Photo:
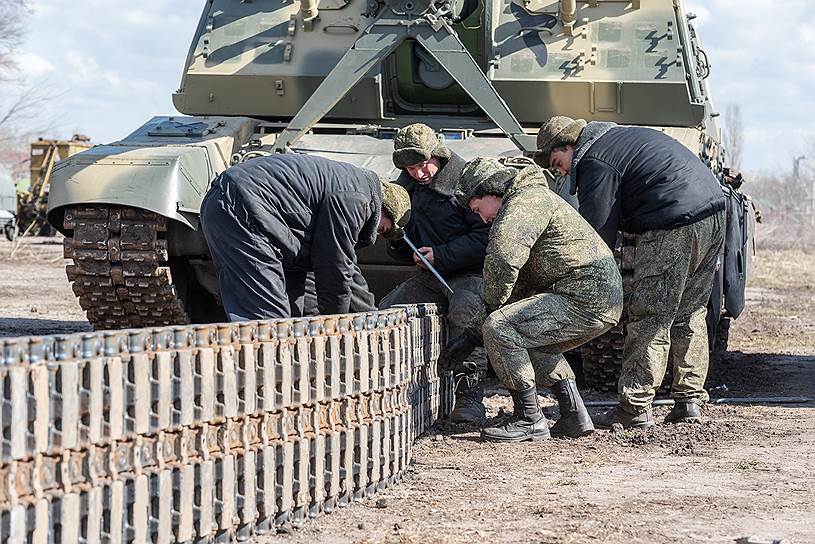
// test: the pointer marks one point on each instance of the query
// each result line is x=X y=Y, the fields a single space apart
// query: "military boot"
x=469 y=406
x=574 y=420
x=684 y=412
x=527 y=423
x=607 y=419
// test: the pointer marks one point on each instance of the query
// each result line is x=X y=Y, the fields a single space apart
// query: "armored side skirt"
x=210 y=433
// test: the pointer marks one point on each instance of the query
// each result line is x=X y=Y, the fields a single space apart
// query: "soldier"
x=271 y=220
x=452 y=239
x=550 y=285
x=644 y=182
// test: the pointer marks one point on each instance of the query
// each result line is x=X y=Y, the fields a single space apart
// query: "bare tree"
x=12 y=15
x=22 y=110
x=21 y=102
x=734 y=134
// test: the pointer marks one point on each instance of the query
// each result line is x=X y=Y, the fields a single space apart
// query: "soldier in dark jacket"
x=550 y=285
x=642 y=181
x=453 y=240
x=270 y=221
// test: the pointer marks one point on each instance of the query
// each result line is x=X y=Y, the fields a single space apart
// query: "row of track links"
x=117 y=272
x=210 y=433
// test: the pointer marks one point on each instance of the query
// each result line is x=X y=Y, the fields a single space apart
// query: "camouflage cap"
x=415 y=144
x=396 y=203
x=557 y=131
x=481 y=177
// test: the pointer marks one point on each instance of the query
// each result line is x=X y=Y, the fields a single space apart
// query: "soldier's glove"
x=459 y=348
x=394 y=234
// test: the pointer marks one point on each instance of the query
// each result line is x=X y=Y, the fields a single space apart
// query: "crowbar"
x=428 y=265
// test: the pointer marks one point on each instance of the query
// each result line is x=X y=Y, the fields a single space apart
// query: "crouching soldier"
x=644 y=182
x=550 y=285
x=270 y=221
x=453 y=239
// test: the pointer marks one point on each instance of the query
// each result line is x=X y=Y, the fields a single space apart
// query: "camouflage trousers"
x=525 y=340
x=673 y=277
x=463 y=309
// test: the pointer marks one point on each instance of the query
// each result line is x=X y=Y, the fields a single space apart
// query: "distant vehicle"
x=8 y=204
x=32 y=205
x=337 y=78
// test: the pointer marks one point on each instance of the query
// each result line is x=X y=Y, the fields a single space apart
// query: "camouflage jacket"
x=539 y=243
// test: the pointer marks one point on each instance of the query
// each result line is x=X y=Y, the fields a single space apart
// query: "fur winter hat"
x=396 y=203
x=416 y=144
x=483 y=177
x=557 y=131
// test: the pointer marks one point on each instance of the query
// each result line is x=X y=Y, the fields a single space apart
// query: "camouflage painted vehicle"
x=336 y=78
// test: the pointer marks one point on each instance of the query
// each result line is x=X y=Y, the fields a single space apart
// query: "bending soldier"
x=550 y=284
x=272 y=220
x=452 y=239
x=644 y=182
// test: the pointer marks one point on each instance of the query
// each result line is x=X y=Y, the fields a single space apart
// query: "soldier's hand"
x=428 y=254
x=394 y=234
x=458 y=349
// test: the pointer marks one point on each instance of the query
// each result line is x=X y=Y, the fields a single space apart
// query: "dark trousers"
x=252 y=280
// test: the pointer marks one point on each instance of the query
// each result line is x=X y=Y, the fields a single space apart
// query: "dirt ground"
x=35 y=296
x=748 y=470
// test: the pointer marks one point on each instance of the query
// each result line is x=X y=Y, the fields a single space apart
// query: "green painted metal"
x=618 y=61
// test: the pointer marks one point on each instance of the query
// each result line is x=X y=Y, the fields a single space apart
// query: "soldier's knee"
x=599 y=327
x=464 y=312
x=470 y=284
x=387 y=301
x=496 y=330
x=397 y=295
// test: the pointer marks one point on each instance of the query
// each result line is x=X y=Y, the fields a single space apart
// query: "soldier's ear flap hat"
x=481 y=177
x=396 y=203
x=557 y=131
x=415 y=144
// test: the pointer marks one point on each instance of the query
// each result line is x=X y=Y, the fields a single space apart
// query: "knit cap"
x=415 y=144
x=557 y=131
x=481 y=177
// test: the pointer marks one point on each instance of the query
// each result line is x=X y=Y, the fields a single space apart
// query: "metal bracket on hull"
x=378 y=41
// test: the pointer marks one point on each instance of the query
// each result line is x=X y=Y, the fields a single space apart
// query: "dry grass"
x=784 y=268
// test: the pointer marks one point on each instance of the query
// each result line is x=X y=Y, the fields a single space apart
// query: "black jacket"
x=639 y=179
x=457 y=235
x=315 y=211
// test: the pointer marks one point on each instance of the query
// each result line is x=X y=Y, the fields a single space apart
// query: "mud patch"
x=721 y=424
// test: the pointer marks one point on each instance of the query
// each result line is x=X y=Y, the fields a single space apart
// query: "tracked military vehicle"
x=336 y=78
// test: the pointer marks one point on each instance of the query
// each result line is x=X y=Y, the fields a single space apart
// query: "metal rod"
x=731 y=400
x=428 y=265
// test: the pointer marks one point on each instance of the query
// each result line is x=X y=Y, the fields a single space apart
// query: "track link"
x=119 y=272
x=602 y=359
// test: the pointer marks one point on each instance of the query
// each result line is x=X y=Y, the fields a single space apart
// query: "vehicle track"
x=120 y=273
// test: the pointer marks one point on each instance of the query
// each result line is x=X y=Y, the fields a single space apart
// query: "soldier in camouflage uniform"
x=550 y=285
x=643 y=182
x=453 y=240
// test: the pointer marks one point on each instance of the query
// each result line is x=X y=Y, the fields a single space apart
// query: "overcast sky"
x=115 y=63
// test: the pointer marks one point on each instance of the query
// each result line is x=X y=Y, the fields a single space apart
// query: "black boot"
x=574 y=420
x=527 y=423
x=684 y=412
x=617 y=415
x=469 y=406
